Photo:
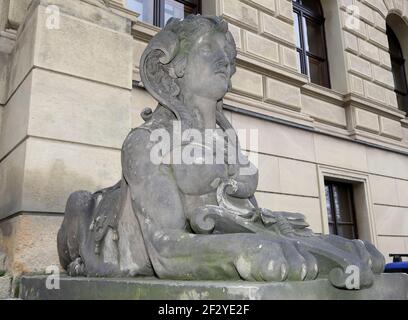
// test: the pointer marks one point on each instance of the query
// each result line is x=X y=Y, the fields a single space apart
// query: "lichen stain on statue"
x=196 y=221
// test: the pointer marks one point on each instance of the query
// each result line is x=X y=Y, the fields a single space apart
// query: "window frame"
x=159 y=10
x=318 y=19
x=351 y=205
x=399 y=60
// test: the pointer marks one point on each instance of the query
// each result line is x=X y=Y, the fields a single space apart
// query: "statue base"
x=386 y=287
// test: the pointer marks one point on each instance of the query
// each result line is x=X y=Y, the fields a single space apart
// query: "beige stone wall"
x=66 y=113
x=67 y=102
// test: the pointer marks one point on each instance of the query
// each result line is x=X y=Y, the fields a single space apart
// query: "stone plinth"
x=386 y=286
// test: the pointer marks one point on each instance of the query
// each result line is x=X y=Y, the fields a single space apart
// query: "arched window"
x=311 y=41
x=398 y=69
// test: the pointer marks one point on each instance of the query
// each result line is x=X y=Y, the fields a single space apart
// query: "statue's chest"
x=198 y=165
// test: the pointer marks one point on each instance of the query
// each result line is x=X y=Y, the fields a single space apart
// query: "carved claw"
x=76 y=268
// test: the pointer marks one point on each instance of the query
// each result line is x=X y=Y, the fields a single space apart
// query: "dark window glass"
x=313 y=6
x=310 y=41
x=340 y=209
x=158 y=12
x=398 y=69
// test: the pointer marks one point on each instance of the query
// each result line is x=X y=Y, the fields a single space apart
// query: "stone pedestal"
x=386 y=287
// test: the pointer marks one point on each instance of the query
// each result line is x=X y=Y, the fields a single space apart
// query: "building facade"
x=322 y=82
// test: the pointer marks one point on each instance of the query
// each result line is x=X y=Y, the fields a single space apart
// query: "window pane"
x=343 y=201
x=318 y=72
x=328 y=205
x=399 y=76
x=332 y=230
x=402 y=102
x=345 y=231
x=314 y=36
x=340 y=210
x=393 y=43
x=176 y=9
x=313 y=5
x=143 y=7
x=297 y=29
x=173 y=9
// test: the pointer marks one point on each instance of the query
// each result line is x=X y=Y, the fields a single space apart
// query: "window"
x=158 y=12
x=311 y=41
x=340 y=209
x=398 y=69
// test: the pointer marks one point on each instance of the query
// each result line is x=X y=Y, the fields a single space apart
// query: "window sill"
x=144 y=31
x=270 y=69
x=404 y=122
x=123 y=11
x=323 y=93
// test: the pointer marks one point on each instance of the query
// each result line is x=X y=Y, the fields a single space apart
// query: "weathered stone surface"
x=5 y=286
x=236 y=33
x=75 y=165
x=93 y=11
x=375 y=92
x=376 y=159
x=29 y=241
x=16 y=117
x=390 y=128
x=289 y=57
x=297 y=177
x=367 y=120
x=248 y=83
x=340 y=153
x=392 y=244
x=22 y=55
x=261 y=47
x=383 y=77
x=324 y=111
x=402 y=191
x=27 y=174
x=282 y=93
x=62 y=108
x=17 y=11
x=4 y=60
x=384 y=190
x=359 y=66
x=12 y=177
x=106 y=54
x=2 y=263
x=240 y=13
x=386 y=287
x=285 y=141
x=278 y=29
x=391 y=221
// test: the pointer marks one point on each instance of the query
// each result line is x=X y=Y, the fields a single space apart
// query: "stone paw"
x=377 y=260
x=302 y=264
x=76 y=268
x=274 y=261
x=353 y=263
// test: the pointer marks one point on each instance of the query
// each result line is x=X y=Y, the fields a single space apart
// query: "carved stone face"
x=208 y=69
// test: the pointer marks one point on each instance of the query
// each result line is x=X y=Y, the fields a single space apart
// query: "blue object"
x=397 y=267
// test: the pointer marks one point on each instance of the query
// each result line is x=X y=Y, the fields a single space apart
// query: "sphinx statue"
x=196 y=220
